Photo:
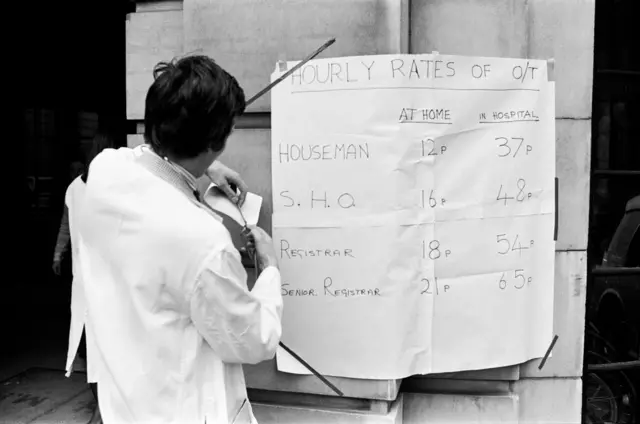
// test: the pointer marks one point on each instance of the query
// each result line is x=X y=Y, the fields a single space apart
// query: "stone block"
x=134 y=140
x=495 y=28
x=248 y=37
x=267 y=413
x=265 y=376
x=563 y=30
x=426 y=408
x=151 y=37
x=573 y=164
x=549 y=400
x=568 y=319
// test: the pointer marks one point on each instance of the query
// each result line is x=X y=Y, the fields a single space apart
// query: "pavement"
x=46 y=396
x=34 y=325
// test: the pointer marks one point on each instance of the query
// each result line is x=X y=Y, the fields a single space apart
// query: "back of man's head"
x=191 y=107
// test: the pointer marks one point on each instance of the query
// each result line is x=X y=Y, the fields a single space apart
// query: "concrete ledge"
x=265 y=376
x=282 y=414
x=549 y=400
x=445 y=409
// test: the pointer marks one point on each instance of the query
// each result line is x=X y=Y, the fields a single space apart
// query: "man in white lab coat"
x=167 y=297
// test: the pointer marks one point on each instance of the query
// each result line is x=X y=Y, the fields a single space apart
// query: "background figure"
x=76 y=169
x=77 y=350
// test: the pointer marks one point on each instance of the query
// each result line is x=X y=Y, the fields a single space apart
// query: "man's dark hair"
x=191 y=107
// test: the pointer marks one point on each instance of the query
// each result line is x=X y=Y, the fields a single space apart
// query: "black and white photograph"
x=322 y=212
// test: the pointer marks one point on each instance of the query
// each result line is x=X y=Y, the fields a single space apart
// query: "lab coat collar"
x=172 y=173
x=175 y=175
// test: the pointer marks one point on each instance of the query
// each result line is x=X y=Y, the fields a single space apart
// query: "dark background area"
x=615 y=131
x=66 y=78
x=613 y=295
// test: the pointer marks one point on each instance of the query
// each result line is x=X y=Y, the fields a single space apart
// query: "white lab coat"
x=168 y=304
x=73 y=201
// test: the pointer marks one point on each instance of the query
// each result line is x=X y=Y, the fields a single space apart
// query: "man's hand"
x=258 y=241
x=227 y=180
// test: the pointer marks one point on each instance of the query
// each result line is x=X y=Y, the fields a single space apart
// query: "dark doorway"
x=612 y=334
x=71 y=69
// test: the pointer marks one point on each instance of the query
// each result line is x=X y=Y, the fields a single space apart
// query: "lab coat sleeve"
x=241 y=326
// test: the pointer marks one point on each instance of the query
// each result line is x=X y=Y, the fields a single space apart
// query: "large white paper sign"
x=414 y=213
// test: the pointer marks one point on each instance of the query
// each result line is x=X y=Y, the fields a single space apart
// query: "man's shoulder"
x=121 y=153
x=111 y=165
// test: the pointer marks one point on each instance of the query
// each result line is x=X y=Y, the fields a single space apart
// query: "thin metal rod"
x=546 y=356
x=251 y=100
x=611 y=271
x=615 y=366
x=290 y=71
x=603 y=173
x=310 y=368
